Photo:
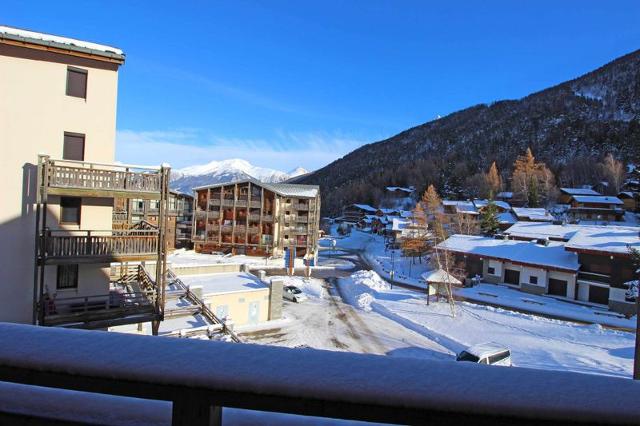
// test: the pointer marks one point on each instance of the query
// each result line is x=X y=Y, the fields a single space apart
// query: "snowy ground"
x=535 y=342
x=324 y=321
x=184 y=257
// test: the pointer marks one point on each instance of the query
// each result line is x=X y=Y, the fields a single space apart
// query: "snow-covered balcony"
x=64 y=375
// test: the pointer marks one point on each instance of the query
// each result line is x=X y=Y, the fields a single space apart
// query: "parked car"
x=486 y=353
x=293 y=293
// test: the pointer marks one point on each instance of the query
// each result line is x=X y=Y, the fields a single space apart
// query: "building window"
x=491 y=270
x=73 y=146
x=67 y=277
x=533 y=279
x=77 y=82
x=70 y=210
x=286 y=237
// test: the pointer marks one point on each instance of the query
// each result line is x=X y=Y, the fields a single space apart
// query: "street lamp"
x=393 y=251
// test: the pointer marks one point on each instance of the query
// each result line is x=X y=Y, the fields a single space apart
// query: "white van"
x=486 y=353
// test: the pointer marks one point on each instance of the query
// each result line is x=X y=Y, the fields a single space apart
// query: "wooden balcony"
x=301 y=207
x=64 y=246
x=85 y=179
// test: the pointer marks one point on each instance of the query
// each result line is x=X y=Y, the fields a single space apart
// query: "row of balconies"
x=238 y=203
x=216 y=215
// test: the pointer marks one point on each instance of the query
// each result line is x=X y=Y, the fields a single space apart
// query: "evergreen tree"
x=489 y=223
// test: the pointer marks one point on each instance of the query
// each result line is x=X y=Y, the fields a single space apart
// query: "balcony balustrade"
x=65 y=246
x=82 y=178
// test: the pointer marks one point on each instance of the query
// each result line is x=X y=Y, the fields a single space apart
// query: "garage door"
x=599 y=295
x=512 y=277
x=557 y=287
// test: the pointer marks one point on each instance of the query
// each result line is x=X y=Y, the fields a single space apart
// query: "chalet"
x=355 y=212
x=630 y=200
x=540 y=267
x=567 y=193
x=502 y=206
x=452 y=207
x=60 y=178
x=504 y=196
x=605 y=264
x=529 y=214
x=589 y=264
x=256 y=218
x=399 y=192
x=596 y=208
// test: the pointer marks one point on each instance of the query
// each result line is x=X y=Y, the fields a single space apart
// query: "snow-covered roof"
x=626 y=194
x=607 y=239
x=34 y=37
x=534 y=230
x=504 y=194
x=482 y=203
x=532 y=213
x=399 y=188
x=365 y=207
x=399 y=224
x=234 y=282
x=388 y=211
x=600 y=199
x=579 y=191
x=526 y=252
x=285 y=189
x=440 y=276
x=406 y=213
x=482 y=350
x=461 y=206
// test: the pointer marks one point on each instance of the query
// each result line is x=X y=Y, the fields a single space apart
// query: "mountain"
x=574 y=123
x=184 y=180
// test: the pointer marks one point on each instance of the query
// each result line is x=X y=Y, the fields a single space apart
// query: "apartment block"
x=257 y=218
x=140 y=212
x=62 y=262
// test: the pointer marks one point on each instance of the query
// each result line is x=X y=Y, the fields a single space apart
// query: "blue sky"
x=288 y=83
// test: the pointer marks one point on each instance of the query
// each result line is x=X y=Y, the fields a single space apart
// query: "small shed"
x=438 y=280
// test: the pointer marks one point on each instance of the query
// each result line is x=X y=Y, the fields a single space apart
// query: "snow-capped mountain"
x=184 y=180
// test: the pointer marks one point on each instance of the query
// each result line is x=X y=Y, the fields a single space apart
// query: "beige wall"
x=238 y=304
x=34 y=114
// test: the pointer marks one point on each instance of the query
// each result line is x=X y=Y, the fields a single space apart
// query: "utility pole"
x=393 y=251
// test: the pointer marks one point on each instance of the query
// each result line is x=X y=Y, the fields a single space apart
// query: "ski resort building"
x=566 y=194
x=588 y=264
x=256 y=218
x=58 y=247
x=354 y=213
x=133 y=212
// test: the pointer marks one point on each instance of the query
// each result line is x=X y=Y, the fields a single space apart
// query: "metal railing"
x=592 y=276
x=71 y=174
x=215 y=375
x=110 y=243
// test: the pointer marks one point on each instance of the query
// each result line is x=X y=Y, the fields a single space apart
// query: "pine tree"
x=489 y=223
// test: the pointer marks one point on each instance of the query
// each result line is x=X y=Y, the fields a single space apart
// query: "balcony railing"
x=592 y=276
x=255 y=204
x=65 y=246
x=320 y=383
x=67 y=177
x=254 y=217
x=119 y=217
x=301 y=207
x=267 y=218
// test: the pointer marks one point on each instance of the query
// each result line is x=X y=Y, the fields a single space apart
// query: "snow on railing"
x=199 y=377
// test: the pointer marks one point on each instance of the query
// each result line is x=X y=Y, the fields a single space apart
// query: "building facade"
x=132 y=212
x=256 y=218
x=57 y=124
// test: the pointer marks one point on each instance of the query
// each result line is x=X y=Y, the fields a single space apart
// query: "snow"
x=508 y=297
x=221 y=283
x=600 y=199
x=610 y=239
x=311 y=287
x=482 y=203
x=579 y=191
x=532 y=213
x=57 y=39
x=534 y=230
x=231 y=166
x=440 y=276
x=399 y=188
x=185 y=258
x=527 y=252
x=534 y=341
x=365 y=207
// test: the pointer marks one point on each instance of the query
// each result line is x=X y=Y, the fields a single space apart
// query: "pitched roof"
x=607 y=239
x=532 y=213
x=579 y=191
x=440 y=276
x=365 y=207
x=601 y=199
x=526 y=252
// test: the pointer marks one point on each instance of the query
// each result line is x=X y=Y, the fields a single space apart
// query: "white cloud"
x=185 y=147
